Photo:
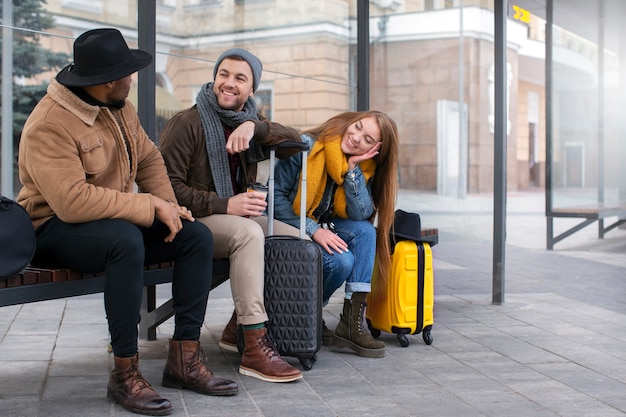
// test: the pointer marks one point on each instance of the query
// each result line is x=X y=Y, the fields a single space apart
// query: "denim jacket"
x=287 y=178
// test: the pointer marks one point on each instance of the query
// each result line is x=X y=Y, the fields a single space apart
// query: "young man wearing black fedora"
x=81 y=152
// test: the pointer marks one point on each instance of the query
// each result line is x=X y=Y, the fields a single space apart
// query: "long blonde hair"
x=384 y=182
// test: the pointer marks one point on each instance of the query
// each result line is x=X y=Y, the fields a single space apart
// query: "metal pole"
x=363 y=55
x=622 y=85
x=601 y=107
x=146 y=79
x=7 y=100
x=549 y=136
x=499 y=157
x=462 y=186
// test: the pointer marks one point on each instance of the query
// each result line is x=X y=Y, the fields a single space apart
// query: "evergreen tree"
x=29 y=58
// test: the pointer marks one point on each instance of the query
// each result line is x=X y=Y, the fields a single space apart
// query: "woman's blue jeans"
x=121 y=249
x=355 y=266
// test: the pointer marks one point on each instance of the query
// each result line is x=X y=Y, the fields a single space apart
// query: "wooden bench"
x=590 y=214
x=430 y=235
x=40 y=284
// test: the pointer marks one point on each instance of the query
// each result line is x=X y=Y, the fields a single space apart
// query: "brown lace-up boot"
x=128 y=388
x=260 y=359
x=229 y=335
x=350 y=332
x=186 y=368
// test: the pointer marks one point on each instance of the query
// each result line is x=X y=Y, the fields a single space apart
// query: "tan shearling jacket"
x=74 y=163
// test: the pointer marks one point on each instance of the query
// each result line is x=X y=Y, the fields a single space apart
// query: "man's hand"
x=239 y=140
x=247 y=204
x=329 y=241
x=354 y=160
x=170 y=214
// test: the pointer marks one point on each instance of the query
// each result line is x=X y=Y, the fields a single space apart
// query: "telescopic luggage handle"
x=301 y=147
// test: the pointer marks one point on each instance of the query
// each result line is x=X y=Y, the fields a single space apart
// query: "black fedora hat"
x=407 y=226
x=100 y=56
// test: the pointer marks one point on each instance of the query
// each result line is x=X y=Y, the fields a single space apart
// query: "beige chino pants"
x=242 y=241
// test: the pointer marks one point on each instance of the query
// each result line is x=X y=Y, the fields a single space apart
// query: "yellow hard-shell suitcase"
x=405 y=306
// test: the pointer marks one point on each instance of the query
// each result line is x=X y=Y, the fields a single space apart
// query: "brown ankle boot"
x=128 y=388
x=261 y=360
x=186 y=368
x=350 y=332
x=229 y=335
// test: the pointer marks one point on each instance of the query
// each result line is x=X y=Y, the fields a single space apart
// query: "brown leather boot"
x=261 y=360
x=128 y=388
x=351 y=333
x=229 y=335
x=186 y=368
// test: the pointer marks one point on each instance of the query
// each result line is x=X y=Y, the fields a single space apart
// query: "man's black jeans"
x=121 y=249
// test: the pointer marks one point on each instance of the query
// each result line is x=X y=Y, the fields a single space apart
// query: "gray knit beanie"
x=253 y=61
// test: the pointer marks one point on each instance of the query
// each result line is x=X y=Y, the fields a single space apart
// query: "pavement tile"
x=19 y=406
x=22 y=379
x=31 y=347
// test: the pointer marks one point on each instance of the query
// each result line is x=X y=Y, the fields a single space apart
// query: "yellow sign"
x=521 y=14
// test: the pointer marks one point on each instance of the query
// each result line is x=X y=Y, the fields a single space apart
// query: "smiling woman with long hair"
x=351 y=183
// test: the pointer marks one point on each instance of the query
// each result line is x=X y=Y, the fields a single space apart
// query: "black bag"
x=17 y=238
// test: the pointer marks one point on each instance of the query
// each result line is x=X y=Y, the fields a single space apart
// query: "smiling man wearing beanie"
x=211 y=152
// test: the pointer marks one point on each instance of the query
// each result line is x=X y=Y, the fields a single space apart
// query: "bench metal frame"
x=589 y=215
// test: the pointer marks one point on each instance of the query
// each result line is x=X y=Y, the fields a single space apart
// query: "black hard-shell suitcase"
x=293 y=282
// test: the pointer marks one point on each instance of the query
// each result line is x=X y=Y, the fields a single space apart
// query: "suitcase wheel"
x=307 y=363
x=404 y=341
x=375 y=332
x=428 y=338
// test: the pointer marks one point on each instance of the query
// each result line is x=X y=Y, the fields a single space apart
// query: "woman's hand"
x=329 y=241
x=354 y=160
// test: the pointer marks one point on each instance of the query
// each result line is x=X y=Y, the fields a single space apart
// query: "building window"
x=264 y=98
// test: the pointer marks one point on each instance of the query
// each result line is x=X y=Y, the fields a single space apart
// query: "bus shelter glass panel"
x=586 y=106
x=432 y=71
x=40 y=44
x=305 y=48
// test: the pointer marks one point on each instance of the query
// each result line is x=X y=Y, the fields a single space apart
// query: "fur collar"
x=72 y=103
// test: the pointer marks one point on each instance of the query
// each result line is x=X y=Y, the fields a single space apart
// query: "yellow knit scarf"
x=326 y=159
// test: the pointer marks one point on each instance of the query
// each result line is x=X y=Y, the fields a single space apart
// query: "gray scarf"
x=213 y=117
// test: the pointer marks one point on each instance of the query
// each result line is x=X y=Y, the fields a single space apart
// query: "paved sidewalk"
x=556 y=347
